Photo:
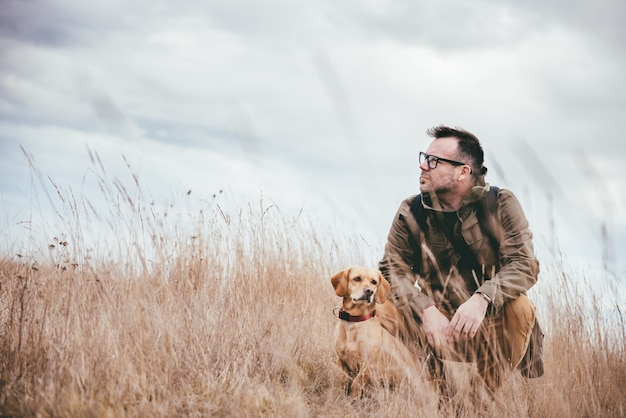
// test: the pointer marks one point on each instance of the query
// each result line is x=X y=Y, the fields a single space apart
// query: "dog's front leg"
x=359 y=383
x=345 y=379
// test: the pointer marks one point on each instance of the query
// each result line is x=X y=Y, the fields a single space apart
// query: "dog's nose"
x=368 y=292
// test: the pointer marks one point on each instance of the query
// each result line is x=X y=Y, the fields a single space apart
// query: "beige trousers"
x=500 y=343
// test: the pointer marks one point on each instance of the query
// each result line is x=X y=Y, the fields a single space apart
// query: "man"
x=458 y=268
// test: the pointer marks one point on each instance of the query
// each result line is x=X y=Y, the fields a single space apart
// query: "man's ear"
x=340 y=281
x=466 y=172
x=384 y=288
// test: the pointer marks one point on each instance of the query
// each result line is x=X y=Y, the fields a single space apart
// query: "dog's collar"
x=341 y=314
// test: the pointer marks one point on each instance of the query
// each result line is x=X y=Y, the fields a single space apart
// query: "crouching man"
x=460 y=258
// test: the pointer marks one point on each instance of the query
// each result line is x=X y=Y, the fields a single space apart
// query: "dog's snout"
x=366 y=295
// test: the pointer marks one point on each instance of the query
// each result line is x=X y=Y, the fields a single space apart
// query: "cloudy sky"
x=322 y=106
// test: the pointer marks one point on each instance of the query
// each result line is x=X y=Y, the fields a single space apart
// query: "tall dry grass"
x=222 y=313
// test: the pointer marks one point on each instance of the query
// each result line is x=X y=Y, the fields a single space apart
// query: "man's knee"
x=516 y=324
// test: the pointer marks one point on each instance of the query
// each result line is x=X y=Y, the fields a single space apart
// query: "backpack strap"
x=418 y=211
x=417 y=225
x=486 y=214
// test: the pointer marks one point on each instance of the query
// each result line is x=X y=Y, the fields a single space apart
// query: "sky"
x=321 y=107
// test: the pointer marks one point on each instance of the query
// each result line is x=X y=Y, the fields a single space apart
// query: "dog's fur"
x=367 y=352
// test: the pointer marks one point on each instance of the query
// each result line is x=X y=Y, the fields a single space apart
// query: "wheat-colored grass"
x=229 y=314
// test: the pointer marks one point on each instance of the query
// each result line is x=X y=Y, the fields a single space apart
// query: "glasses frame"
x=433 y=159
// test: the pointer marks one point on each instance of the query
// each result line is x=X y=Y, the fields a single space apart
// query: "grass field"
x=230 y=314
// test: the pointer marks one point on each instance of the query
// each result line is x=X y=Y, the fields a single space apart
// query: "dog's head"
x=360 y=286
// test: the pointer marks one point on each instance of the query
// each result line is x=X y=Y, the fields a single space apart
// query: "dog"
x=367 y=352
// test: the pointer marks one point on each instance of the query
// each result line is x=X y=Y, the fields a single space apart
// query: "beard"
x=436 y=187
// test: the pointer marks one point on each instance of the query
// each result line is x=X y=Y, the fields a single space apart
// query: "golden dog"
x=367 y=352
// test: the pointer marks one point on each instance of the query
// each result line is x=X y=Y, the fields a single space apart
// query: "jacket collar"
x=475 y=194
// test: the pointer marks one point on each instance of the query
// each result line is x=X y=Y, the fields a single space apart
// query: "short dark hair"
x=469 y=146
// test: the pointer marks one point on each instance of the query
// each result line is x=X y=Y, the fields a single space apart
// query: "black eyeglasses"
x=433 y=160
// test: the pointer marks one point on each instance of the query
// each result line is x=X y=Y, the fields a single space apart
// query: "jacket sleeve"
x=519 y=268
x=397 y=262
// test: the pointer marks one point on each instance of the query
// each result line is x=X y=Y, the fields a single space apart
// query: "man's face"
x=440 y=179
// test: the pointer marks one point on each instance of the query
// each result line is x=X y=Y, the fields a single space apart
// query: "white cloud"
x=318 y=105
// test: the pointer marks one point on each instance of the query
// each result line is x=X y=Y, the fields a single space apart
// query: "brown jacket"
x=439 y=274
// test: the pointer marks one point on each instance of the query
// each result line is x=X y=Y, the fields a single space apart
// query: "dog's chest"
x=358 y=337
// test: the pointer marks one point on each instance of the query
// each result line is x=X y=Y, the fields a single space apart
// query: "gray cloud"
x=229 y=92
x=602 y=19
x=459 y=25
x=56 y=23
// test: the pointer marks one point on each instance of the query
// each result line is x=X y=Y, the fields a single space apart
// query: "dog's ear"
x=384 y=288
x=340 y=282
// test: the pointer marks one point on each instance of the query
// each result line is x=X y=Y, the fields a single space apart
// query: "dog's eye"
x=374 y=282
x=357 y=279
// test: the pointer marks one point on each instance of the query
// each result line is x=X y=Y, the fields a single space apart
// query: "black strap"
x=486 y=214
x=417 y=209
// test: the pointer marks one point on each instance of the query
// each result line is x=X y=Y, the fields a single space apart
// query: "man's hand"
x=435 y=324
x=467 y=319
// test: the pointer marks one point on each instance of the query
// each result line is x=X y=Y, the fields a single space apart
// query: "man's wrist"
x=485 y=296
x=428 y=306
